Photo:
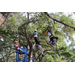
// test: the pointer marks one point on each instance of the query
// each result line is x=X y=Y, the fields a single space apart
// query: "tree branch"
x=3 y=19
x=59 y=21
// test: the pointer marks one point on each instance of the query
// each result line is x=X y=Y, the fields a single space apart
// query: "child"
x=52 y=39
x=40 y=48
x=18 y=48
x=35 y=37
x=37 y=42
x=35 y=33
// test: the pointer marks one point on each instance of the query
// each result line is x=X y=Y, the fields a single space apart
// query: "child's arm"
x=17 y=43
x=52 y=35
x=38 y=40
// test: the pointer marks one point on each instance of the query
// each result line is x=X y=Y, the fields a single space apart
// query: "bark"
x=59 y=21
x=3 y=18
x=29 y=41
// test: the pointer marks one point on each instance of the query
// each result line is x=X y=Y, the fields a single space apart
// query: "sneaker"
x=43 y=56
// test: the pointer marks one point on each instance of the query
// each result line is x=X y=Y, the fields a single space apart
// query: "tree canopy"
x=21 y=25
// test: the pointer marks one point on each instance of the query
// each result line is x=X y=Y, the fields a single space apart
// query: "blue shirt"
x=35 y=33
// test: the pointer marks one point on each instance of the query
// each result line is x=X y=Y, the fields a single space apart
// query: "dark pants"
x=36 y=40
x=52 y=38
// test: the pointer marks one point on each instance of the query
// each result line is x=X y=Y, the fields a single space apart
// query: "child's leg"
x=56 y=44
x=40 y=48
x=55 y=38
x=50 y=42
x=51 y=39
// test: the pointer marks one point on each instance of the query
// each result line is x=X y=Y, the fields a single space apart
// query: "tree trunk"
x=3 y=17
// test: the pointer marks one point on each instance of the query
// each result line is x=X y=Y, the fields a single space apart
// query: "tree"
x=8 y=32
x=22 y=27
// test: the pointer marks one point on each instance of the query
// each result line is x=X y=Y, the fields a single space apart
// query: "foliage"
x=11 y=29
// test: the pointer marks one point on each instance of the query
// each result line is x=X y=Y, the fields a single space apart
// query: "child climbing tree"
x=52 y=39
x=38 y=42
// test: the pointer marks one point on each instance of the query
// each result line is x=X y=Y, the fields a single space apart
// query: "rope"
x=18 y=33
x=32 y=59
x=35 y=25
x=35 y=20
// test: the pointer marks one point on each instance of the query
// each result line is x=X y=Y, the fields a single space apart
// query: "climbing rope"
x=35 y=20
x=31 y=59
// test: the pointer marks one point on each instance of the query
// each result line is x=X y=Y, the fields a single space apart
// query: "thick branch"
x=29 y=21
x=29 y=41
x=3 y=19
x=59 y=21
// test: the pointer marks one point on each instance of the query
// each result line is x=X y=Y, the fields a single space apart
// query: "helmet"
x=15 y=41
x=35 y=30
x=47 y=31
